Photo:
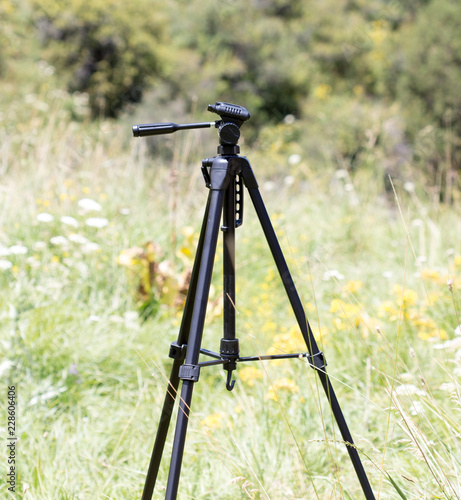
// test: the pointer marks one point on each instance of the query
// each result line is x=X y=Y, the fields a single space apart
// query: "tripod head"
x=232 y=118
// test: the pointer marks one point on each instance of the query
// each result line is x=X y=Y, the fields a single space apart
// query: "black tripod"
x=225 y=176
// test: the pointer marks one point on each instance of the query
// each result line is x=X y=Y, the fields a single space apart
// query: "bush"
x=430 y=86
x=110 y=50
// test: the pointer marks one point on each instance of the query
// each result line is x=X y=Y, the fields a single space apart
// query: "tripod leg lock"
x=189 y=372
x=177 y=351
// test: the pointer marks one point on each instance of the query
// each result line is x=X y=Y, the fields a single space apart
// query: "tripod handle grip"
x=166 y=128
x=154 y=129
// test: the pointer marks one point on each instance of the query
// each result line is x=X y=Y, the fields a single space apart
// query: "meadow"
x=96 y=233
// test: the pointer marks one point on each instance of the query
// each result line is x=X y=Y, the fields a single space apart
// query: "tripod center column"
x=229 y=344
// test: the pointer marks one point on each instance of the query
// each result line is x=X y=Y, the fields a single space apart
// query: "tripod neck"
x=228 y=150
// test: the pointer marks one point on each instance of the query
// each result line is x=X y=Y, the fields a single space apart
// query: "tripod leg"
x=308 y=336
x=189 y=373
x=173 y=383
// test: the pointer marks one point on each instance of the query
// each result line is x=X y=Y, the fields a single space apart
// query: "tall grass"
x=378 y=275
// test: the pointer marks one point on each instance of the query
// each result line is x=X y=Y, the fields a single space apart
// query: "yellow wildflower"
x=430 y=275
x=346 y=310
x=288 y=341
x=388 y=310
x=353 y=286
x=408 y=297
x=282 y=385
x=213 y=421
x=249 y=374
x=322 y=91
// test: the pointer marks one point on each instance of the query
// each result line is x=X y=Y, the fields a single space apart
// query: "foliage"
x=110 y=50
x=430 y=85
x=334 y=66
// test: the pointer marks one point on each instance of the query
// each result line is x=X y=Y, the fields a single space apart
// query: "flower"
x=249 y=374
x=89 y=205
x=98 y=222
x=333 y=274
x=45 y=217
x=283 y=384
x=416 y=408
x=353 y=286
x=78 y=238
x=5 y=264
x=59 y=241
x=213 y=421
x=18 y=250
x=322 y=91
x=294 y=159
x=409 y=297
x=387 y=309
x=409 y=389
x=69 y=221
x=89 y=247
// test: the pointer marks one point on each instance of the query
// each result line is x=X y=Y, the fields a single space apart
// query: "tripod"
x=225 y=175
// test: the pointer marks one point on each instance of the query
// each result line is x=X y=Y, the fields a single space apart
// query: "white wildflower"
x=69 y=221
x=458 y=330
x=89 y=205
x=5 y=366
x=294 y=159
x=4 y=251
x=5 y=264
x=125 y=211
x=90 y=247
x=131 y=319
x=78 y=238
x=409 y=389
x=416 y=408
x=39 y=245
x=98 y=222
x=59 y=241
x=448 y=387
x=18 y=250
x=332 y=274
x=289 y=180
x=289 y=119
x=45 y=217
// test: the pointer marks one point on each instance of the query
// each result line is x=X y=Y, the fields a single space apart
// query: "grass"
x=379 y=276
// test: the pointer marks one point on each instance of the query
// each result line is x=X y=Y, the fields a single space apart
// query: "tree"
x=429 y=83
x=111 y=50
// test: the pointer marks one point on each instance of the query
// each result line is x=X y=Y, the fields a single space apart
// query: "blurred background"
x=355 y=139
x=348 y=85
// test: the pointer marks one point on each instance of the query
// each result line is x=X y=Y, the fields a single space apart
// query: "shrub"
x=430 y=86
x=111 y=50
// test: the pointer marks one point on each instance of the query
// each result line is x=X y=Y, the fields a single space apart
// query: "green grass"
x=371 y=269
